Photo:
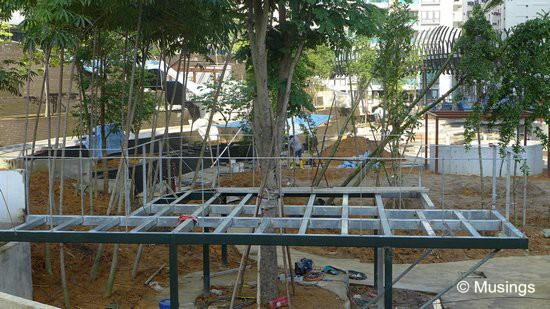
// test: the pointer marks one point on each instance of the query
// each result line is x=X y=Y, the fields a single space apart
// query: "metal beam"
x=426 y=201
x=466 y=224
x=268 y=239
x=386 y=230
x=264 y=225
x=31 y=224
x=464 y=275
x=307 y=214
x=226 y=223
x=425 y=224
x=149 y=223
x=108 y=224
x=345 y=214
x=69 y=223
x=187 y=224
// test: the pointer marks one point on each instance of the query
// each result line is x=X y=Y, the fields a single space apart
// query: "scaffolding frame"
x=204 y=217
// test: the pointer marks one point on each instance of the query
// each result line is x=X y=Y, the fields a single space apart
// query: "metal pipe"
x=494 y=192
x=380 y=271
x=464 y=275
x=426 y=122
x=388 y=263
x=224 y=256
x=524 y=192
x=508 y=172
x=174 y=290
x=161 y=174
x=206 y=266
x=144 y=175
x=436 y=144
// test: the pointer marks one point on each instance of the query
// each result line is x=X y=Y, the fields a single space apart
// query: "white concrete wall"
x=513 y=12
x=15 y=269
x=456 y=159
x=12 y=196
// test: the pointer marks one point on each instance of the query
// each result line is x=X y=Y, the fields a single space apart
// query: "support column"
x=426 y=140
x=388 y=285
x=174 y=297
x=436 y=161
x=380 y=276
x=206 y=266
x=224 y=256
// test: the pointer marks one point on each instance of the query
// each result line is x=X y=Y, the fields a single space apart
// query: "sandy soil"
x=306 y=297
x=458 y=192
x=128 y=292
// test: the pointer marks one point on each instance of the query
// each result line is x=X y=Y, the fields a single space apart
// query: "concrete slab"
x=511 y=273
x=14 y=302
x=15 y=269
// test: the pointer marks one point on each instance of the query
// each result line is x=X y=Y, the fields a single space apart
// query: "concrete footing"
x=15 y=270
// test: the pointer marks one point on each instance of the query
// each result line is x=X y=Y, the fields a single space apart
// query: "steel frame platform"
x=210 y=220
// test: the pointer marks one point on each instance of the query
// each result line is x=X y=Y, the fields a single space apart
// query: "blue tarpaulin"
x=114 y=141
x=299 y=123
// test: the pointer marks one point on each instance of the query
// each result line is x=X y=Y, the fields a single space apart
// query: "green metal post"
x=174 y=297
x=206 y=266
x=224 y=255
x=388 y=284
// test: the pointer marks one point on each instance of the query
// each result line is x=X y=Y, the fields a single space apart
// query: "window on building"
x=429 y=17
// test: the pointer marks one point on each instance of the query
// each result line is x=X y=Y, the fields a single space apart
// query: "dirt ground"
x=446 y=191
x=306 y=297
x=128 y=292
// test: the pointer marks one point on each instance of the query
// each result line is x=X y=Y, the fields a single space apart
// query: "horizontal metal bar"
x=336 y=191
x=335 y=240
x=290 y=210
x=107 y=224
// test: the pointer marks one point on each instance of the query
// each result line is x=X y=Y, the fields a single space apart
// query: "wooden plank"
x=307 y=215
x=425 y=224
x=226 y=223
x=386 y=230
x=345 y=214
x=466 y=224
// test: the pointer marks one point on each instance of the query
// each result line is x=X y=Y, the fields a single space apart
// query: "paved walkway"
x=506 y=271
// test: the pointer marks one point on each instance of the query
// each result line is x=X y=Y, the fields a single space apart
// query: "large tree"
x=278 y=32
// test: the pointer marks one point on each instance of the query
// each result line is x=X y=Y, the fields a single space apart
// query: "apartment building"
x=513 y=12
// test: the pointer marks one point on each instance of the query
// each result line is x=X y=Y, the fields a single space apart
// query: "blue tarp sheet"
x=114 y=141
x=299 y=123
